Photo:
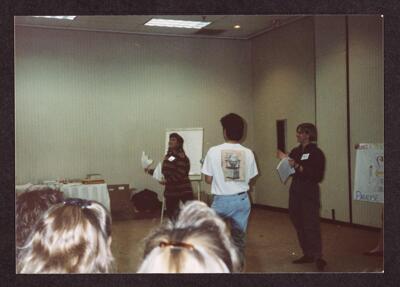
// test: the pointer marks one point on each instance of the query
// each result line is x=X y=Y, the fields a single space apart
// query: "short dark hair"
x=234 y=126
x=309 y=129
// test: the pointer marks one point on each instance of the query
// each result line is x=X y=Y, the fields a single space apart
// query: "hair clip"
x=82 y=203
x=176 y=244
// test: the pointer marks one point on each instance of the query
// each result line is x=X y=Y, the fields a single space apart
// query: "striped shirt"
x=175 y=169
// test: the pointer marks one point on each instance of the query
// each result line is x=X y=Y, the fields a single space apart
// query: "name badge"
x=171 y=158
x=305 y=156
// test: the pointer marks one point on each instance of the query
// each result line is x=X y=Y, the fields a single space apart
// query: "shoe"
x=373 y=253
x=304 y=259
x=320 y=263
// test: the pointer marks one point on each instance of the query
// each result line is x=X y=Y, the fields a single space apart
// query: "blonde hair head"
x=197 y=242
x=71 y=237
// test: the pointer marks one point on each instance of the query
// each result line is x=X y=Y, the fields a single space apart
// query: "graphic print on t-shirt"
x=233 y=164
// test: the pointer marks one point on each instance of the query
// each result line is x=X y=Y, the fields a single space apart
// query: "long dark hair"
x=180 y=143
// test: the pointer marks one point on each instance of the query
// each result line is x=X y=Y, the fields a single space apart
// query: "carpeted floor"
x=271 y=245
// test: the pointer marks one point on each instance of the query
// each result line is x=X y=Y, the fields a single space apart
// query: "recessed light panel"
x=58 y=17
x=177 y=23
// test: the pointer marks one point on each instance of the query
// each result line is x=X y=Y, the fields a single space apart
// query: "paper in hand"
x=157 y=174
x=146 y=161
x=284 y=169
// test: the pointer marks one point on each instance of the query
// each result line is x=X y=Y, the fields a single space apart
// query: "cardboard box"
x=122 y=207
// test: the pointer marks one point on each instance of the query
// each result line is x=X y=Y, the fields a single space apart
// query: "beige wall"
x=366 y=98
x=365 y=75
x=291 y=81
x=90 y=102
x=283 y=88
x=331 y=99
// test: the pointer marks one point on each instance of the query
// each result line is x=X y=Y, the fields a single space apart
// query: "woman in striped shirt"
x=175 y=168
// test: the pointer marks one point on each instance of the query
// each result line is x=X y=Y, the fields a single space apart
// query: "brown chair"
x=120 y=201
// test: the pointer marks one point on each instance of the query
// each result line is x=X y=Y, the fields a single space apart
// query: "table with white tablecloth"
x=97 y=192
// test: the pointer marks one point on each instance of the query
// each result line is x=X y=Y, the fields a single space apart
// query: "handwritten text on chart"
x=369 y=197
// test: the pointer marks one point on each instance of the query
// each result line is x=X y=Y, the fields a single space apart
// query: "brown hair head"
x=71 y=237
x=180 y=141
x=29 y=207
x=309 y=129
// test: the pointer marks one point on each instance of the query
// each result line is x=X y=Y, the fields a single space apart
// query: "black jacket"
x=313 y=163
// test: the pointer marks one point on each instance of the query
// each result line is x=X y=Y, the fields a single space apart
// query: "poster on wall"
x=369 y=173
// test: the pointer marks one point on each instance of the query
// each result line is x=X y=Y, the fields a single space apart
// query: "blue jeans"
x=236 y=208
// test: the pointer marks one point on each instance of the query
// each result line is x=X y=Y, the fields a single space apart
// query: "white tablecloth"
x=98 y=192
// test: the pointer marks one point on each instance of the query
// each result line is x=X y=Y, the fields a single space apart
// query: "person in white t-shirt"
x=229 y=167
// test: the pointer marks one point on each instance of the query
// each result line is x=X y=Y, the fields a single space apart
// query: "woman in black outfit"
x=304 y=194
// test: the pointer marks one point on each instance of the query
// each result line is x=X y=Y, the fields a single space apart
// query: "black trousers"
x=172 y=203
x=304 y=206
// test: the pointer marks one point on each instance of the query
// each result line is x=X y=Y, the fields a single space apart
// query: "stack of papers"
x=146 y=161
x=284 y=169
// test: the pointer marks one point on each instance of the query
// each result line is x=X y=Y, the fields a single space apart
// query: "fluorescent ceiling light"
x=177 y=23
x=58 y=17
